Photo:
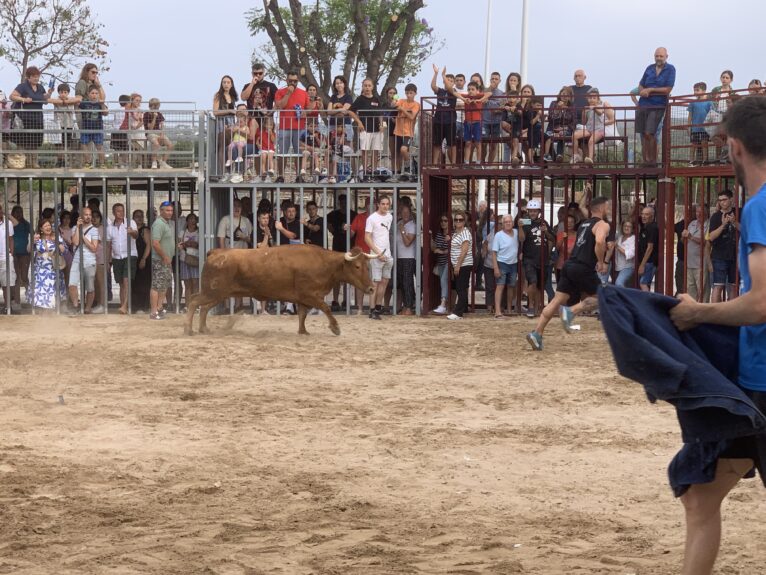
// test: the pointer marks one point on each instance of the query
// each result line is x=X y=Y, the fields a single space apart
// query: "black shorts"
x=699 y=137
x=533 y=273
x=696 y=462
x=402 y=142
x=577 y=279
x=120 y=141
x=444 y=132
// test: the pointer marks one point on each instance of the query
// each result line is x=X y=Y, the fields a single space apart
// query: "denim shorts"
x=509 y=274
x=472 y=131
x=648 y=275
x=96 y=137
x=491 y=130
x=724 y=272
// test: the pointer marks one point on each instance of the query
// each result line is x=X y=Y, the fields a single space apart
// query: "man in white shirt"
x=377 y=234
x=7 y=271
x=122 y=238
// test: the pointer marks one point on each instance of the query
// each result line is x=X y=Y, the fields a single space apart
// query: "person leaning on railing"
x=561 y=122
x=30 y=96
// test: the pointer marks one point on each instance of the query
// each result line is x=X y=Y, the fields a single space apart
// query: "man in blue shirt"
x=745 y=124
x=654 y=88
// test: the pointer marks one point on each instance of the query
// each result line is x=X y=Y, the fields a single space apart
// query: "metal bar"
x=104 y=235
x=57 y=238
x=419 y=237
x=32 y=258
x=81 y=264
x=7 y=254
x=128 y=222
x=395 y=253
x=175 y=196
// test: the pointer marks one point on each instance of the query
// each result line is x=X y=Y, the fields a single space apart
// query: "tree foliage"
x=381 y=39
x=54 y=35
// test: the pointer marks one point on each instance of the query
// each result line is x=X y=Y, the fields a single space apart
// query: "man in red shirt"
x=291 y=101
x=357 y=234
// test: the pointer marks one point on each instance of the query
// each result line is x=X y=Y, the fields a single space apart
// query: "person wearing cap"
x=535 y=238
x=163 y=250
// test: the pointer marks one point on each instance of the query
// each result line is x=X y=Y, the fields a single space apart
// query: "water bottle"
x=298 y=111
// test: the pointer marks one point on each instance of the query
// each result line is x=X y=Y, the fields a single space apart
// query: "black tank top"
x=584 y=250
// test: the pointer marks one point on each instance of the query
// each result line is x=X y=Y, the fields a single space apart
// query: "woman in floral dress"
x=46 y=267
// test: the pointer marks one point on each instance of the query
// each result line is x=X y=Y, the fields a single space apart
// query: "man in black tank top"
x=579 y=276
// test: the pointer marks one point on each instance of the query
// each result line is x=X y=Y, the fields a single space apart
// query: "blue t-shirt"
x=21 y=238
x=92 y=119
x=698 y=111
x=507 y=247
x=650 y=79
x=752 y=338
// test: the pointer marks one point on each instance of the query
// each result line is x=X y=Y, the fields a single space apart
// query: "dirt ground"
x=402 y=446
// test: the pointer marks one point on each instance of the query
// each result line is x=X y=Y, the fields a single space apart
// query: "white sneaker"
x=154 y=165
x=97 y=309
x=238 y=160
x=441 y=310
x=452 y=316
x=228 y=163
x=15 y=306
x=165 y=166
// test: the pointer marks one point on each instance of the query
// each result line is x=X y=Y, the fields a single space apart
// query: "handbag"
x=15 y=161
x=191 y=260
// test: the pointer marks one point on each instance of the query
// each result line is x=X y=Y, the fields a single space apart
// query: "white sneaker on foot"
x=154 y=165
x=452 y=316
x=441 y=310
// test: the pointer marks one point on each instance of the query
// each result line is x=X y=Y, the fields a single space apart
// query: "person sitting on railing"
x=313 y=147
x=136 y=135
x=532 y=127
x=599 y=123
x=30 y=95
x=240 y=130
x=92 y=115
x=698 y=111
x=512 y=125
x=473 y=104
x=443 y=124
x=154 y=124
x=561 y=122
x=367 y=111
x=64 y=120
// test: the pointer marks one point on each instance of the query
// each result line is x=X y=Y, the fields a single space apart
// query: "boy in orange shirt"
x=404 y=131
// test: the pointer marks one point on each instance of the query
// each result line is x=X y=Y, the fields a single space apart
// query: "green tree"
x=54 y=35
x=381 y=39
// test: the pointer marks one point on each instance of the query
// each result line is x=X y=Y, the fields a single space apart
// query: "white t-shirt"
x=380 y=227
x=405 y=251
x=118 y=236
x=7 y=230
x=90 y=256
x=225 y=230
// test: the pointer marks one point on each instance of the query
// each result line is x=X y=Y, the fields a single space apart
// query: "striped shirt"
x=441 y=244
x=455 y=248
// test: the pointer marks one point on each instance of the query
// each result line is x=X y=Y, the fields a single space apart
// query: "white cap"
x=533 y=205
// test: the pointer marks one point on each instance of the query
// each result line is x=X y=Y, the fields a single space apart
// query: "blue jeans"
x=444 y=280
x=648 y=276
x=289 y=139
x=624 y=278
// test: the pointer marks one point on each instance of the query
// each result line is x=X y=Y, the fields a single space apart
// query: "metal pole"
x=524 y=29
x=231 y=239
x=81 y=263
x=418 y=249
x=57 y=238
x=7 y=254
x=104 y=235
x=395 y=252
x=176 y=196
x=128 y=222
x=32 y=219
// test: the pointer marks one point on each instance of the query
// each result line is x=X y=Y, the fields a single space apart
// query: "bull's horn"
x=349 y=258
x=371 y=256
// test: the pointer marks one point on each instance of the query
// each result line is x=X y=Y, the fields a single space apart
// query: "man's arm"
x=747 y=309
x=601 y=231
x=285 y=232
x=373 y=248
x=434 y=87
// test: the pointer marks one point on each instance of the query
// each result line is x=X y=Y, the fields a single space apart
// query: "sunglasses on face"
x=459 y=219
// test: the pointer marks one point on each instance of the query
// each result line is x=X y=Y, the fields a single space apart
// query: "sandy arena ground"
x=402 y=446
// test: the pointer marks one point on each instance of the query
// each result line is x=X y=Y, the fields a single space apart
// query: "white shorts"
x=371 y=141
x=381 y=269
x=90 y=277
x=3 y=272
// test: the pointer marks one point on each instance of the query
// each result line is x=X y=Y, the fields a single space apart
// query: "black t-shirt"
x=580 y=100
x=294 y=227
x=337 y=103
x=335 y=221
x=268 y=90
x=535 y=241
x=259 y=234
x=370 y=111
x=649 y=234
x=445 y=107
x=584 y=250
x=724 y=247
x=315 y=238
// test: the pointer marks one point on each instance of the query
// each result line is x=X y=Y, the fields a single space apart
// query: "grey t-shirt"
x=693 y=249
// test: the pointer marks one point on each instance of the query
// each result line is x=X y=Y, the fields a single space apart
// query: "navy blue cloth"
x=696 y=371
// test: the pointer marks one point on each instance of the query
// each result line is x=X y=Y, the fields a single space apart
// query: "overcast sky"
x=178 y=50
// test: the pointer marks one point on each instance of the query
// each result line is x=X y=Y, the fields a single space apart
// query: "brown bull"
x=301 y=274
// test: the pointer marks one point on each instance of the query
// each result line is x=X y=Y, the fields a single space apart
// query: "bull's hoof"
x=204 y=330
x=335 y=329
x=302 y=332
x=188 y=331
